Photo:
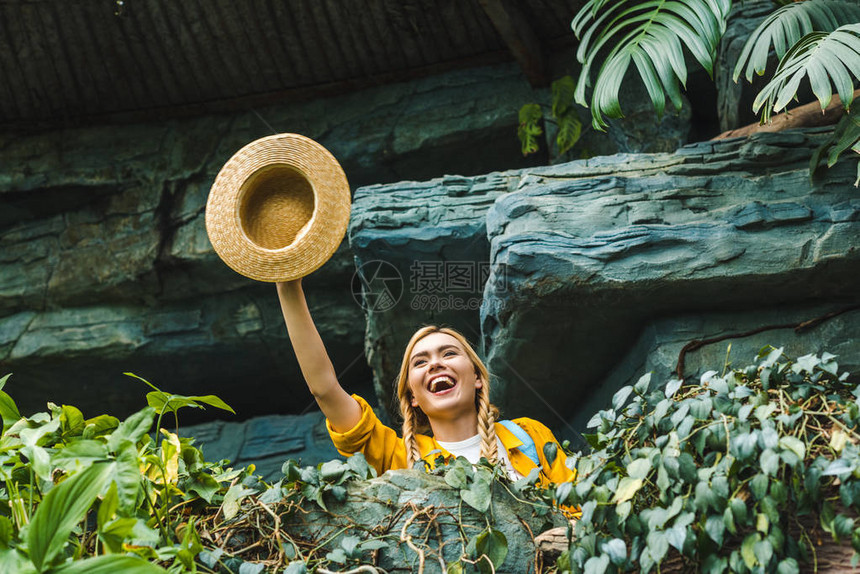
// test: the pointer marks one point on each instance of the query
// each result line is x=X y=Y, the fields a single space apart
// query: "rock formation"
x=589 y=257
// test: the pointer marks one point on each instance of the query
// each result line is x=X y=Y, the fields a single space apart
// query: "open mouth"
x=439 y=384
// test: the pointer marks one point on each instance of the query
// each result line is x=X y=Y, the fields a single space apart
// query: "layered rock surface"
x=105 y=265
x=590 y=260
x=585 y=256
x=413 y=503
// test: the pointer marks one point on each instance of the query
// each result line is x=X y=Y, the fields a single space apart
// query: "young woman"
x=443 y=388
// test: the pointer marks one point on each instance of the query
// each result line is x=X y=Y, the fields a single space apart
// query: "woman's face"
x=442 y=378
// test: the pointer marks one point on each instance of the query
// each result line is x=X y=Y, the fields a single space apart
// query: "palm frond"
x=784 y=27
x=824 y=58
x=651 y=35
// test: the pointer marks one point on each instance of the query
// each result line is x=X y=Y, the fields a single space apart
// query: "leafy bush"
x=99 y=495
x=736 y=473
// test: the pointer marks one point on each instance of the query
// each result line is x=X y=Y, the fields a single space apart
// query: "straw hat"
x=278 y=208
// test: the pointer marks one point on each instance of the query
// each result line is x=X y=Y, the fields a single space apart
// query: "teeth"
x=440 y=384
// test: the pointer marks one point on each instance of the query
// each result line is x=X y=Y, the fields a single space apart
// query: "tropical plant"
x=101 y=495
x=816 y=40
x=563 y=114
x=741 y=471
x=650 y=35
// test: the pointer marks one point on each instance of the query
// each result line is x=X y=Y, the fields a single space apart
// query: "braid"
x=412 y=452
x=486 y=426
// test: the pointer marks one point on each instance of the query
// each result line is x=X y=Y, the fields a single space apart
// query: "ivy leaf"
x=627 y=488
x=672 y=387
x=658 y=545
x=769 y=462
x=763 y=552
x=843 y=527
x=616 y=550
x=597 y=564
x=478 y=494
x=639 y=468
x=788 y=566
x=676 y=537
x=715 y=527
x=492 y=544
x=550 y=451
x=620 y=397
x=748 y=549
x=793 y=444
x=758 y=486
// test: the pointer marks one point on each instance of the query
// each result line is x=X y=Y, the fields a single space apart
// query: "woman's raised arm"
x=342 y=411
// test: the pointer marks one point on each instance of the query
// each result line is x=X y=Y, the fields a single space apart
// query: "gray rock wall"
x=605 y=268
x=591 y=253
x=105 y=265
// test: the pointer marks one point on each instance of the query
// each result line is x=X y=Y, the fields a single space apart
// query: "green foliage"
x=563 y=114
x=823 y=58
x=650 y=35
x=99 y=495
x=818 y=40
x=786 y=26
x=721 y=473
x=845 y=136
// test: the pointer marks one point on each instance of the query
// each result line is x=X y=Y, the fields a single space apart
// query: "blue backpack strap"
x=528 y=446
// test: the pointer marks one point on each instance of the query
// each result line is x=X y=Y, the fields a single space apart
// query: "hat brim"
x=320 y=237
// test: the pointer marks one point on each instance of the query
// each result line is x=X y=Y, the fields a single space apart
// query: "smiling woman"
x=444 y=396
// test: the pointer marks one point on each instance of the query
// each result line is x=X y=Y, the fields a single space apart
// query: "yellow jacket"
x=384 y=450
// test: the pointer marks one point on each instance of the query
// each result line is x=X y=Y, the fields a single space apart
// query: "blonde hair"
x=414 y=419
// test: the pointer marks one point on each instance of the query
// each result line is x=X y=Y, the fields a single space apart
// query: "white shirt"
x=471 y=450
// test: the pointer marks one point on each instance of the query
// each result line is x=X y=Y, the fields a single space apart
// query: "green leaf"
x=478 y=495
x=110 y=564
x=550 y=451
x=132 y=428
x=823 y=58
x=769 y=462
x=125 y=473
x=614 y=33
x=785 y=27
x=80 y=454
x=616 y=549
x=569 y=131
x=6 y=531
x=71 y=421
x=639 y=468
x=658 y=545
x=843 y=527
x=212 y=401
x=597 y=564
x=748 y=549
x=793 y=444
x=627 y=488
x=758 y=486
x=297 y=567
x=763 y=552
x=61 y=510
x=456 y=477
x=233 y=499
x=529 y=130
x=715 y=528
x=788 y=566
x=563 y=90
x=332 y=470
x=492 y=544
x=98 y=426
x=672 y=387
